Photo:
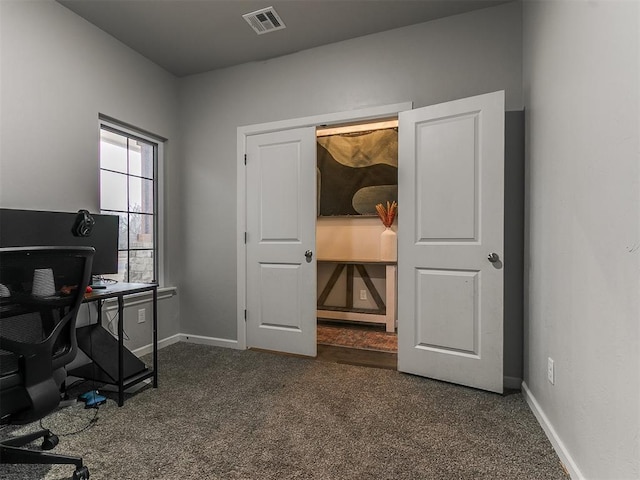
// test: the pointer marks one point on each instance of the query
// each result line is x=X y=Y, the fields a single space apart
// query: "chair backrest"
x=41 y=290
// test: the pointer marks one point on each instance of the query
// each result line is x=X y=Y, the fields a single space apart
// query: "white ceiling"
x=193 y=36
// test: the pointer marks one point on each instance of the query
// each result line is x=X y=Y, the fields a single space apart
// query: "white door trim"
x=244 y=131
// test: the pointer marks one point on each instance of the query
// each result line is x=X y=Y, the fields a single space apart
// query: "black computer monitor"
x=28 y=228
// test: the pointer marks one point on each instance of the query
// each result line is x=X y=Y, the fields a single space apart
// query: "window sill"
x=139 y=298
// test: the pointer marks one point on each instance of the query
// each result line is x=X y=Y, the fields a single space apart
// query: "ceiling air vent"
x=264 y=21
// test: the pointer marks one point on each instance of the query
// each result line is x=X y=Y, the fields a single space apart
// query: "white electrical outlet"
x=363 y=294
x=142 y=315
x=550 y=371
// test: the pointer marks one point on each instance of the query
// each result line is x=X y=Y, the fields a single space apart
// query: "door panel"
x=281 y=216
x=447 y=311
x=279 y=186
x=447 y=183
x=451 y=189
x=274 y=279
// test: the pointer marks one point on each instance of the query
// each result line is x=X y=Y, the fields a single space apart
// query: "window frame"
x=124 y=129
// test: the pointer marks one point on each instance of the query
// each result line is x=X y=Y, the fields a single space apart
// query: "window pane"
x=141 y=158
x=127 y=189
x=140 y=231
x=140 y=195
x=123 y=233
x=141 y=266
x=113 y=151
x=121 y=276
x=113 y=191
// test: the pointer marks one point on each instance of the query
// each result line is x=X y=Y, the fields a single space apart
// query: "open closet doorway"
x=451 y=250
x=356 y=243
x=276 y=236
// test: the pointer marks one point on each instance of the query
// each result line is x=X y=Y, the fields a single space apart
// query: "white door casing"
x=281 y=217
x=451 y=210
x=243 y=132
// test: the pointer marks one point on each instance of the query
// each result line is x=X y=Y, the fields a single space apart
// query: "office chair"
x=41 y=290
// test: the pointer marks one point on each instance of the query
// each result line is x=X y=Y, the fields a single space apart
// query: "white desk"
x=387 y=309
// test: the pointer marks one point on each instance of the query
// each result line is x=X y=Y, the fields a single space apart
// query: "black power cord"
x=90 y=424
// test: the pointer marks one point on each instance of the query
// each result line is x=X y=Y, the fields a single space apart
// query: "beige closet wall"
x=349 y=238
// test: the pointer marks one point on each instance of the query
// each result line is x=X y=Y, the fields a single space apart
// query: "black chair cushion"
x=8 y=363
x=13 y=399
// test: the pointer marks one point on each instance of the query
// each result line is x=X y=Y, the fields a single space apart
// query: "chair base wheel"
x=49 y=441
x=81 y=473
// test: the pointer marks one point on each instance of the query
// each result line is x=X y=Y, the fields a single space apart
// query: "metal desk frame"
x=119 y=291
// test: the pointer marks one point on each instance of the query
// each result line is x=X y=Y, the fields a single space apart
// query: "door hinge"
x=245 y=158
x=245 y=237
x=245 y=314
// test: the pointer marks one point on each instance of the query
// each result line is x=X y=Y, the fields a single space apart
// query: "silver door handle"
x=493 y=257
x=309 y=255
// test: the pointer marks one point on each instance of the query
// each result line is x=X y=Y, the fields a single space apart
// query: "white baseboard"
x=213 y=341
x=512 y=383
x=183 y=337
x=165 y=342
x=558 y=445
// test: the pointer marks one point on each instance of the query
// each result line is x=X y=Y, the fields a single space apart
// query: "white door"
x=450 y=214
x=281 y=219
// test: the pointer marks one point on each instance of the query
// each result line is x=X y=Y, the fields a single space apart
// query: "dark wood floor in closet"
x=354 y=356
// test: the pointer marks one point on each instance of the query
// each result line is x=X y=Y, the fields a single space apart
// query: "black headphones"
x=83 y=225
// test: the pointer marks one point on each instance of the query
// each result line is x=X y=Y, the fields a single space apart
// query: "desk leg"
x=120 y=351
x=391 y=298
x=155 y=338
x=100 y=312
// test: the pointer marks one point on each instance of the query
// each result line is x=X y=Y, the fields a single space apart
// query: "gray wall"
x=582 y=99
x=57 y=73
x=428 y=63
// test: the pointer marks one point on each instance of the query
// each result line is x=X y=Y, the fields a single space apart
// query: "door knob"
x=493 y=257
x=309 y=255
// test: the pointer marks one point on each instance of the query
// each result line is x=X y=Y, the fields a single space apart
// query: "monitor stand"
x=98 y=284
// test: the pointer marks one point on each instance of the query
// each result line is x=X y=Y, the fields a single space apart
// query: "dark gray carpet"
x=229 y=414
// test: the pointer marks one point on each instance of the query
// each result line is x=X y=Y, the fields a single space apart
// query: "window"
x=129 y=189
